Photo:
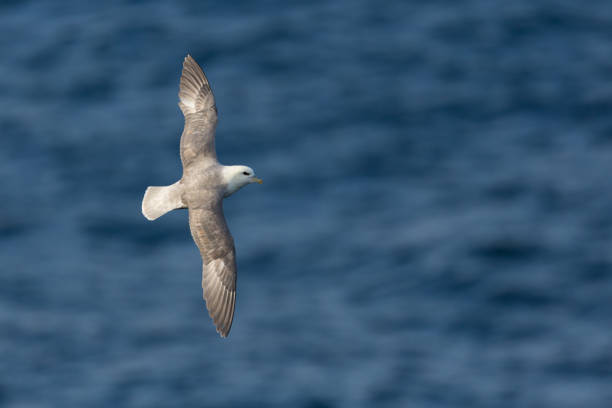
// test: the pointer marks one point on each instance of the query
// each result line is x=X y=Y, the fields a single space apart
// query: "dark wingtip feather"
x=220 y=304
x=194 y=89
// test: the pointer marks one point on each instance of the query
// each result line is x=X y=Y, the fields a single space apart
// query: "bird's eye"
x=246 y=173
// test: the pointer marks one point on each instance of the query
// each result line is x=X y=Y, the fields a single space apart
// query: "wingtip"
x=218 y=327
x=223 y=334
x=195 y=93
x=189 y=60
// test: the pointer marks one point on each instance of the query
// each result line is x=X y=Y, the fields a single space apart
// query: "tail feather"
x=159 y=200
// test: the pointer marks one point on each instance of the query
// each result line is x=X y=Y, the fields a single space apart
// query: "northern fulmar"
x=201 y=189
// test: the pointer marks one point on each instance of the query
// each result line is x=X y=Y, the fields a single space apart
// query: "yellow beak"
x=257 y=180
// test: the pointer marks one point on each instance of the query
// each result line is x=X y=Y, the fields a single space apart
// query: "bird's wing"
x=216 y=245
x=197 y=103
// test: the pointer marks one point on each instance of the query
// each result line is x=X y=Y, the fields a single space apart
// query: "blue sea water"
x=434 y=228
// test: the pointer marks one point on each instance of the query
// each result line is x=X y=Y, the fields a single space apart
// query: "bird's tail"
x=159 y=200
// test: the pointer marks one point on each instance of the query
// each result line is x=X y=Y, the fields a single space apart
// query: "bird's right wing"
x=211 y=235
x=197 y=103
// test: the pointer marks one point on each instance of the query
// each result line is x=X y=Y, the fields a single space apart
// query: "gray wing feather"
x=197 y=103
x=211 y=235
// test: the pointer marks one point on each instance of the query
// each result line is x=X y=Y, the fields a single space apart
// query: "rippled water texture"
x=433 y=229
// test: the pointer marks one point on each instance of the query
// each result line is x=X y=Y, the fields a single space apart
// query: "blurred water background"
x=433 y=230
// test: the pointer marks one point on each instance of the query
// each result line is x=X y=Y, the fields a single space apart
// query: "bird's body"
x=202 y=188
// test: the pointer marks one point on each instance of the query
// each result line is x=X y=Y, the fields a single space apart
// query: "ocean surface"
x=434 y=228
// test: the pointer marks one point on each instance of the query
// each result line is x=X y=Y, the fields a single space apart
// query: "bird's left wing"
x=197 y=103
x=211 y=235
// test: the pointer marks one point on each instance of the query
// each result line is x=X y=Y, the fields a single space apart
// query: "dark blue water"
x=434 y=228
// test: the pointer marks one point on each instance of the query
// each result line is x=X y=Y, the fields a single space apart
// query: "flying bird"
x=201 y=190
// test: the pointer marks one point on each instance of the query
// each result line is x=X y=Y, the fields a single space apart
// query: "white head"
x=237 y=177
